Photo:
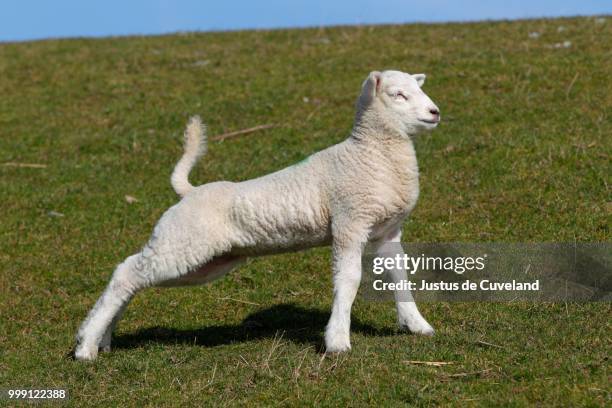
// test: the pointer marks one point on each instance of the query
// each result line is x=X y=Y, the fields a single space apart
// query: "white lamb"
x=355 y=193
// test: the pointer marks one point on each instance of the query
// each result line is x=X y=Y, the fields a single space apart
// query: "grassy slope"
x=523 y=155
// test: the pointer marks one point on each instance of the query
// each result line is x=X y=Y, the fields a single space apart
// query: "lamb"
x=350 y=195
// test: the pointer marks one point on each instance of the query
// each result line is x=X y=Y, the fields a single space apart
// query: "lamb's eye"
x=400 y=95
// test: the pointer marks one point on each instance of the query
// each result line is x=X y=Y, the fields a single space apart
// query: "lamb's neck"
x=391 y=160
x=396 y=147
x=401 y=155
x=370 y=126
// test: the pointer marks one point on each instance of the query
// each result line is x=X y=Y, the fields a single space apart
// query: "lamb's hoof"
x=340 y=348
x=86 y=353
x=105 y=344
x=428 y=331
x=421 y=327
x=337 y=343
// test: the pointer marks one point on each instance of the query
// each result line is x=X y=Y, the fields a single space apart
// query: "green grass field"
x=522 y=155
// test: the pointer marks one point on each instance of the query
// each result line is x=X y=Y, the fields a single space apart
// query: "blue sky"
x=36 y=19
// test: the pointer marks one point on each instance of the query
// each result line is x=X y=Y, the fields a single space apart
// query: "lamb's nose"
x=434 y=111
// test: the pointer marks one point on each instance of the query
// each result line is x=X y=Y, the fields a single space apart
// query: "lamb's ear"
x=420 y=78
x=371 y=86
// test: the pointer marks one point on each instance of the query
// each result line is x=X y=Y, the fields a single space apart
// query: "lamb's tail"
x=195 y=147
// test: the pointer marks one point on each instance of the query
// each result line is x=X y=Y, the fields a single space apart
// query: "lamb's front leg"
x=408 y=314
x=347 y=276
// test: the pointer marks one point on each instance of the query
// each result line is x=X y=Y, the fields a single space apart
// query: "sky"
x=38 y=19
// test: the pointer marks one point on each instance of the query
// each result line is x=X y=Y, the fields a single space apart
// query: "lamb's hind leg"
x=207 y=272
x=105 y=343
x=125 y=282
x=131 y=276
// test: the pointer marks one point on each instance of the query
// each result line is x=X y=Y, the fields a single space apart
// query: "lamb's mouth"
x=431 y=122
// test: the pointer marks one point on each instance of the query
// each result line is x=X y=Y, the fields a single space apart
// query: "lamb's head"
x=397 y=99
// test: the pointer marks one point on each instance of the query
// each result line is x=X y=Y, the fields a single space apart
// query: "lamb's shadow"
x=295 y=323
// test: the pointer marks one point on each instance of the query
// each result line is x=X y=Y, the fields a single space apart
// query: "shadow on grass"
x=297 y=324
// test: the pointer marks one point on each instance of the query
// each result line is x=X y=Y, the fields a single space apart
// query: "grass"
x=523 y=155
